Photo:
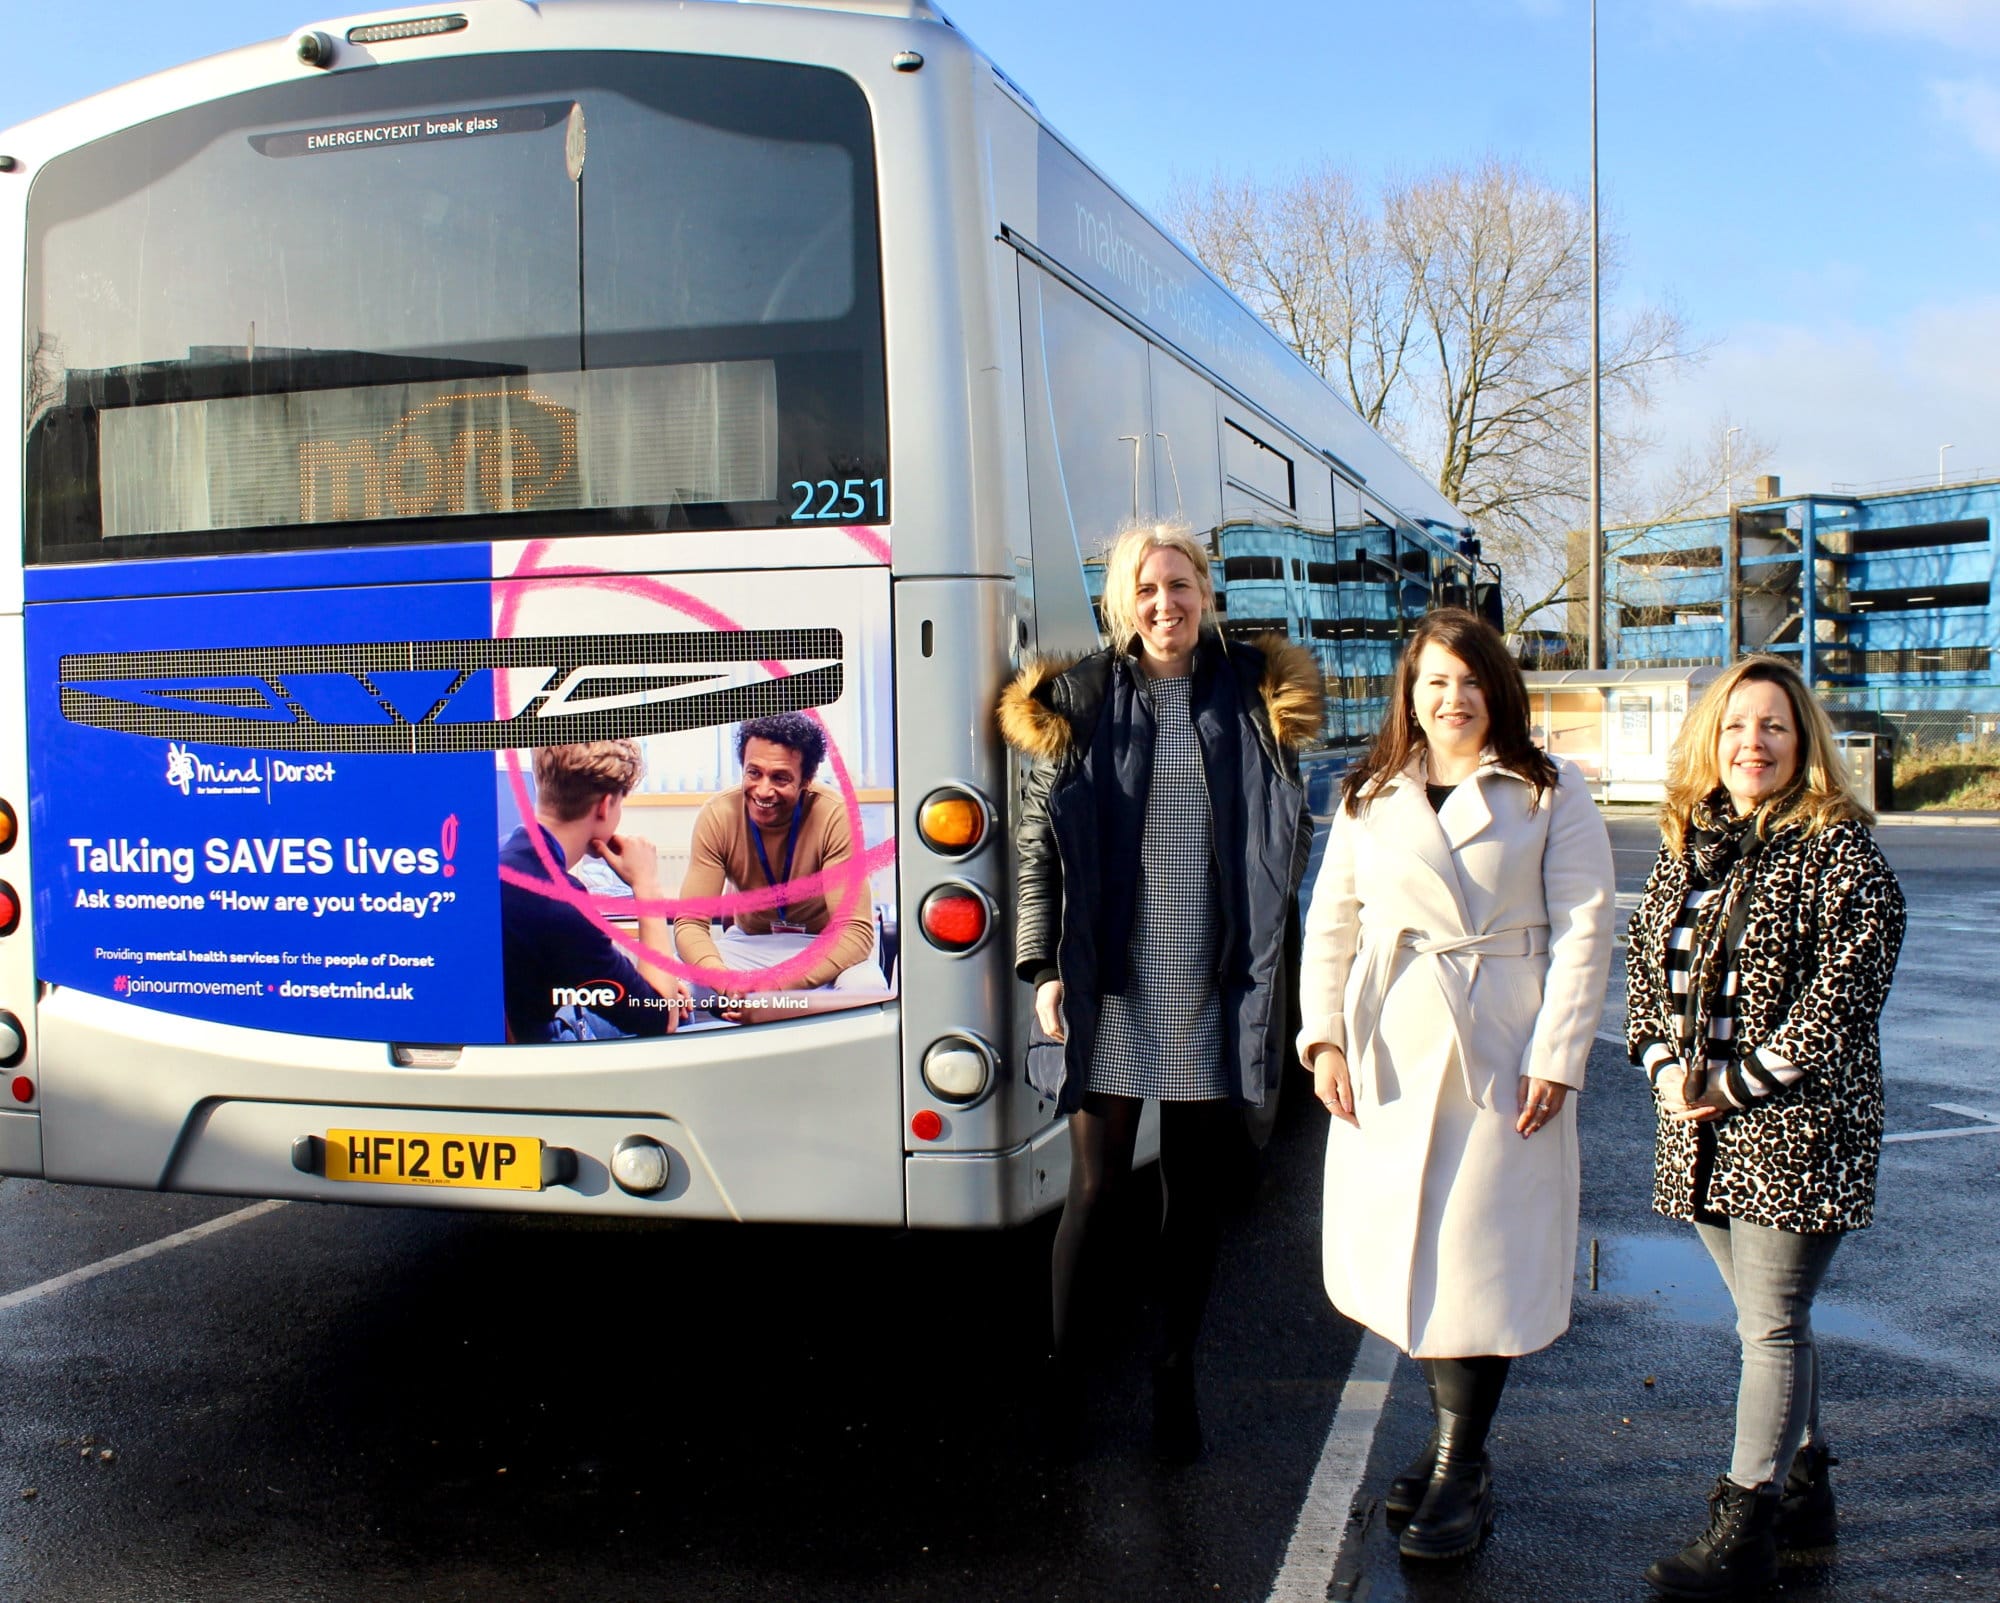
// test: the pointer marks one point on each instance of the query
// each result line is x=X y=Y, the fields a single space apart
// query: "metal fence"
x=1919 y=719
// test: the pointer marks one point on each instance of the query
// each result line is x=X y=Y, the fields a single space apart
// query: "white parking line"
x=1314 y=1551
x=1944 y=1135
x=152 y=1249
x=1989 y=1124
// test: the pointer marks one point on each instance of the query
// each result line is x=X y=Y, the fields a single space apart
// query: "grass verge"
x=1947 y=777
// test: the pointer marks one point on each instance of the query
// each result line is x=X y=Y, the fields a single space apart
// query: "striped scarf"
x=1721 y=852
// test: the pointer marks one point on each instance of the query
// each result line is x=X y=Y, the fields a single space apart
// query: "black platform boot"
x=1736 y=1554
x=1806 y=1517
x=1456 y=1510
x=1407 y=1490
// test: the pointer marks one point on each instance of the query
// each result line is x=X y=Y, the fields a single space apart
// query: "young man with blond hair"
x=551 y=949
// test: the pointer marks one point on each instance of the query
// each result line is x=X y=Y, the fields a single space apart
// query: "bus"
x=422 y=406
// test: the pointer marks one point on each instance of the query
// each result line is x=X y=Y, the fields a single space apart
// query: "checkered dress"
x=1163 y=1037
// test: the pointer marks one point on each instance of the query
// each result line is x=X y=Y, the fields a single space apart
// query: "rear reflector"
x=24 y=1088
x=926 y=1126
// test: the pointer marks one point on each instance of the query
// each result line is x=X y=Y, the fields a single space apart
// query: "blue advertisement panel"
x=553 y=805
x=233 y=820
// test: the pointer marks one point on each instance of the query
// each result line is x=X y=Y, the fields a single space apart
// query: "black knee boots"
x=1738 y=1552
x=1456 y=1509
x=1407 y=1490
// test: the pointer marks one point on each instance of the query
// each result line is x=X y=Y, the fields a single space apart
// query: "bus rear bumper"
x=792 y=1122
x=988 y=1190
x=21 y=1145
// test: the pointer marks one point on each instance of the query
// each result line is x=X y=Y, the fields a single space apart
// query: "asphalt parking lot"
x=335 y=1404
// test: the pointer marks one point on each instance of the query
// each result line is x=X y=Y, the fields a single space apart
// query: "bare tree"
x=1453 y=309
x=1309 y=256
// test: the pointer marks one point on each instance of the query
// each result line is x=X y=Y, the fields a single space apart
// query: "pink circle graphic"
x=850 y=878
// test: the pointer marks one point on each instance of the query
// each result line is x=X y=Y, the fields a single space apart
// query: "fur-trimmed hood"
x=1038 y=707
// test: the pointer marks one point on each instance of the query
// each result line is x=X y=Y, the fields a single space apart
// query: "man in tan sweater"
x=777 y=828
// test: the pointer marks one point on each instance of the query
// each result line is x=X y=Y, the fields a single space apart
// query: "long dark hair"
x=1478 y=645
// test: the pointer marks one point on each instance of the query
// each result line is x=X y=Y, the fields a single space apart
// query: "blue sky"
x=1816 y=183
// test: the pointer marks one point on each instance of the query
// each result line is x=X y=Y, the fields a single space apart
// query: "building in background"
x=1885 y=600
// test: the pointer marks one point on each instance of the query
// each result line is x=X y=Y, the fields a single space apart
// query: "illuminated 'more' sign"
x=489 y=450
x=609 y=437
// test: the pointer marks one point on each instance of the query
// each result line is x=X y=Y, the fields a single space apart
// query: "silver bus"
x=422 y=406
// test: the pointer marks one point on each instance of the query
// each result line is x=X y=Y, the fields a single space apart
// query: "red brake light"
x=955 y=917
x=10 y=908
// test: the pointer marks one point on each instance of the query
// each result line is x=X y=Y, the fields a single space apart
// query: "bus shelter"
x=1618 y=725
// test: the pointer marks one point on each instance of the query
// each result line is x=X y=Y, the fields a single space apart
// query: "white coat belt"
x=1453 y=961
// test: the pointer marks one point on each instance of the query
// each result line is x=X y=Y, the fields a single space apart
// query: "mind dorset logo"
x=189 y=774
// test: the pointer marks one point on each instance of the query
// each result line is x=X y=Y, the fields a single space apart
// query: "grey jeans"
x=1772 y=1276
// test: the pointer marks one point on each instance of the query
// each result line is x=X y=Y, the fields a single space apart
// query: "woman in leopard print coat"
x=1756 y=970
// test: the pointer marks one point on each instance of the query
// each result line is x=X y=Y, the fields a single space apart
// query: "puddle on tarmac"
x=1678 y=1278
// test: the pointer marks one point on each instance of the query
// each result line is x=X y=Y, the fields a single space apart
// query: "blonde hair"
x=1121 y=575
x=570 y=779
x=1818 y=794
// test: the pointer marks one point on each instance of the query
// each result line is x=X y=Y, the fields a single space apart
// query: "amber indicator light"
x=951 y=821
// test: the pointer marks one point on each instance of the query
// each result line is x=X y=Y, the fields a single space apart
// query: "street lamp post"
x=1941 y=451
x=1728 y=469
x=1595 y=650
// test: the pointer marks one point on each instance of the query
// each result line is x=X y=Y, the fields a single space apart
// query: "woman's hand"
x=1332 y=1085
x=1539 y=1102
x=1674 y=1103
x=1048 y=1009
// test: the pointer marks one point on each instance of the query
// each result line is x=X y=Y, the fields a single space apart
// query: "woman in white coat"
x=1455 y=962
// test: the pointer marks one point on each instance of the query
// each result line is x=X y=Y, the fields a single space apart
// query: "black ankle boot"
x=1806 y=1515
x=1407 y=1490
x=1457 y=1506
x=1176 y=1414
x=1736 y=1554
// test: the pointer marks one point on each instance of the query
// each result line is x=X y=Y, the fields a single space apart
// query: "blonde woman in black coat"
x=1758 y=963
x=1161 y=840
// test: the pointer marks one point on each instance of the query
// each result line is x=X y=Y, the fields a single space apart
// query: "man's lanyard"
x=763 y=857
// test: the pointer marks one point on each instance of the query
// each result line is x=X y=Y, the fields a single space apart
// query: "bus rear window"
x=569 y=292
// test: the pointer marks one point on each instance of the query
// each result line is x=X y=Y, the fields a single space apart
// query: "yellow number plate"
x=425 y=1158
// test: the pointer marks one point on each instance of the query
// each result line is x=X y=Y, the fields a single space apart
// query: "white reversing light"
x=958 y=1069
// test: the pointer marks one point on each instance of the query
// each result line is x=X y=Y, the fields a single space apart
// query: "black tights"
x=1198 y=1157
